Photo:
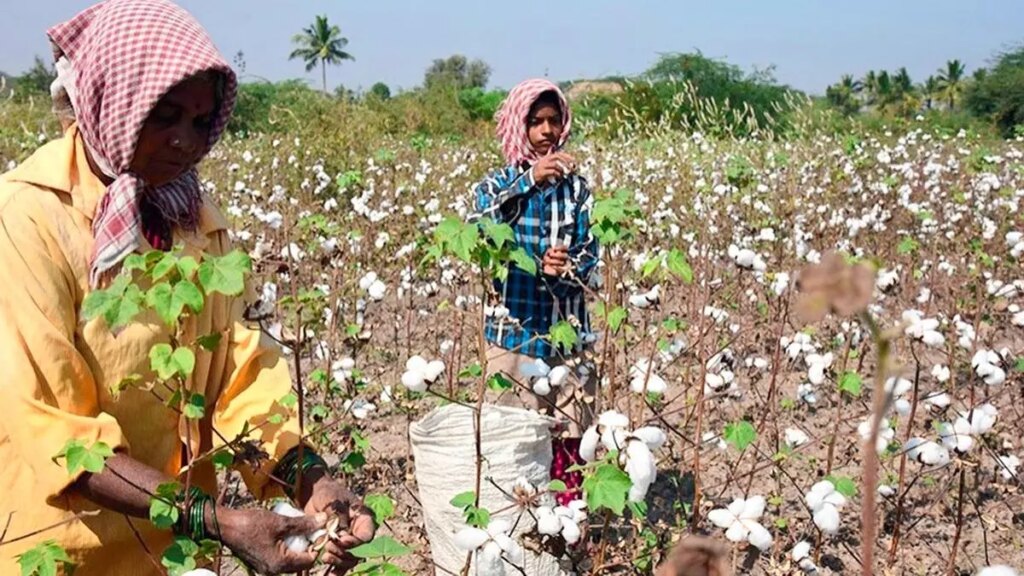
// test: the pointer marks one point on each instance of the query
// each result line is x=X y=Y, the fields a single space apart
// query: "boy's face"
x=544 y=127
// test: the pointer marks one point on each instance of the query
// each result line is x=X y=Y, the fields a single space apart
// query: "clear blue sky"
x=811 y=42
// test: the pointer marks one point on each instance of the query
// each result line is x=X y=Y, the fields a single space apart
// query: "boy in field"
x=539 y=194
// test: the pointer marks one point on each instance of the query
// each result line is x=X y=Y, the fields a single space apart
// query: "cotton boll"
x=795 y=437
x=613 y=419
x=416 y=363
x=489 y=560
x=377 y=290
x=541 y=387
x=760 y=537
x=653 y=437
x=997 y=570
x=470 y=538
x=558 y=375
x=1007 y=466
x=414 y=381
x=827 y=519
x=367 y=280
x=547 y=523
x=570 y=531
x=433 y=369
x=927 y=452
x=588 y=444
x=940 y=372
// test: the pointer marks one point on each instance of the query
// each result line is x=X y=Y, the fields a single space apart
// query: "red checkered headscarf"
x=513 y=115
x=121 y=57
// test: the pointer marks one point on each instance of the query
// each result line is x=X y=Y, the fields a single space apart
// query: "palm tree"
x=929 y=90
x=951 y=81
x=321 y=43
x=869 y=85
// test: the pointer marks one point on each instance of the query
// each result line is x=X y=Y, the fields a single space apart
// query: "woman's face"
x=176 y=132
x=544 y=127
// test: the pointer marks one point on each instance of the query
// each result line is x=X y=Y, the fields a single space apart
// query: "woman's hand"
x=557 y=166
x=327 y=495
x=257 y=538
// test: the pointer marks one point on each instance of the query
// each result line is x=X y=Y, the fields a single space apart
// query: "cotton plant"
x=898 y=387
x=921 y=329
x=649 y=299
x=825 y=503
x=795 y=437
x=997 y=570
x=635 y=448
x=373 y=286
x=987 y=365
x=741 y=521
x=493 y=546
x=801 y=554
x=1007 y=466
x=419 y=373
x=543 y=377
x=885 y=433
x=927 y=452
x=644 y=380
x=801 y=343
x=961 y=434
x=562 y=521
x=746 y=259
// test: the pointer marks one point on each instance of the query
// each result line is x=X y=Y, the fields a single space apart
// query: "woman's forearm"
x=125 y=485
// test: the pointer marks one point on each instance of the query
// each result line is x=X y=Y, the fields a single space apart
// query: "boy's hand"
x=557 y=165
x=555 y=261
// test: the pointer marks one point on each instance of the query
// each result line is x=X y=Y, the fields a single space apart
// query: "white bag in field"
x=514 y=443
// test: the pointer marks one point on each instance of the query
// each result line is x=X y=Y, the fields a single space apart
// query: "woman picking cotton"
x=539 y=194
x=150 y=97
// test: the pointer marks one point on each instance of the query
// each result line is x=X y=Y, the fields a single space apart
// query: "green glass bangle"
x=289 y=466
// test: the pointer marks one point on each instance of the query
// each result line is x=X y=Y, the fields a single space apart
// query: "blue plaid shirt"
x=539 y=214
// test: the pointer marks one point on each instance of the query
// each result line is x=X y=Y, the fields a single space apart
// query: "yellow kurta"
x=56 y=371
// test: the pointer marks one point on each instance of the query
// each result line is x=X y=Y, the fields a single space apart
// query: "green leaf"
x=383 y=506
x=352 y=462
x=907 y=245
x=187 y=266
x=134 y=262
x=378 y=569
x=42 y=560
x=167 y=363
x=472 y=371
x=652 y=265
x=1020 y=364
x=164 y=265
x=78 y=457
x=557 y=486
x=478 y=517
x=607 y=488
x=500 y=234
x=381 y=547
x=159 y=299
x=523 y=261
x=187 y=294
x=464 y=500
x=616 y=317
x=276 y=419
x=163 y=512
x=850 y=383
x=739 y=434
x=225 y=274
x=180 y=556
x=361 y=442
x=118 y=304
x=223 y=459
x=209 y=342
x=678 y=265
x=458 y=237
x=563 y=334
x=499 y=383
x=195 y=409
x=639 y=509
x=289 y=400
x=844 y=485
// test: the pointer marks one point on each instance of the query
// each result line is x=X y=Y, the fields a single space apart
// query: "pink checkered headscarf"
x=121 y=57
x=512 y=118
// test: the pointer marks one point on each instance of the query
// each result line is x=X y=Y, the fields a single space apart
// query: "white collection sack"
x=514 y=443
